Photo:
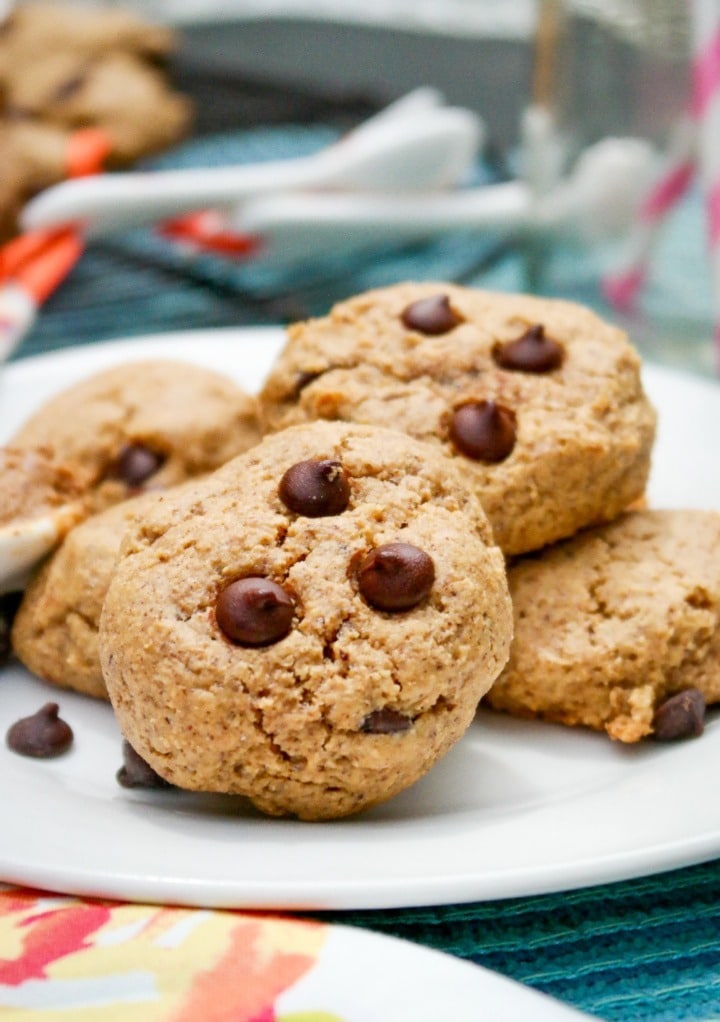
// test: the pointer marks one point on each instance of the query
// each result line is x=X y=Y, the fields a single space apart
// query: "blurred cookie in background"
x=65 y=70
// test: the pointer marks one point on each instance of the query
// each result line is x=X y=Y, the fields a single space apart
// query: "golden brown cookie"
x=145 y=425
x=55 y=629
x=113 y=92
x=55 y=632
x=65 y=70
x=540 y=402
x=317 y=624
x=12 y=186
x=33 y=482
x=613 y=623
x=33 y=32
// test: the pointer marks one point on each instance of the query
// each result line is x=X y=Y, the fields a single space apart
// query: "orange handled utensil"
x=34 y=264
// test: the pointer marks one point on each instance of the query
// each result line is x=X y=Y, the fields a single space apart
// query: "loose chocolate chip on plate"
x=43 y=735
x=483 y=431
x=136 y=463
x=254 y=612
x=315 y=488
x=136 y=773
x=532 y=352
x=680 y=716
x=385 y=722
x=431 y=316
x=396 y=576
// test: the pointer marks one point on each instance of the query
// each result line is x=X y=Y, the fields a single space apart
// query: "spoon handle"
x=127 y=200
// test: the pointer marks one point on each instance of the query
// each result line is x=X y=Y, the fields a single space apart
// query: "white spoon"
x=421 y=148
x=25 y=542
x=596 y=201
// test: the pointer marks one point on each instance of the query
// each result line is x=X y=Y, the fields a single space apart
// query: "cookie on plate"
x=144 y=425
x=618 y=629
x=33 y=483
x=55 y=631
x=540 y=402
x=316 y=628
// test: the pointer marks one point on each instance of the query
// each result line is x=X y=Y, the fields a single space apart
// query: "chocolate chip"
x=532 y=352
x=396 y=576
x=432 y=315
x=680 y=716
x=136 y=773
x=254 y=612
x=385 y=722
x=43 y=735
x=315 y=488
x=136 y=463
x=303 y=379
x=69 y=87
x=483 y=431
x=9 y=604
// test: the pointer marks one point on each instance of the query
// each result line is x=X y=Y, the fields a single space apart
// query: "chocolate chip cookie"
x=66 y=71
x=539 y=402
x=33 y=483
x=618 y=629
x=144 y=425
x=317 y=624
x=55 y=631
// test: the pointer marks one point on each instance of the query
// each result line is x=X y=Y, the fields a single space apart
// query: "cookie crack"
x=266 y=734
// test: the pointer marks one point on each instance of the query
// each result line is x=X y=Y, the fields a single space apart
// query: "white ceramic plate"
x=361 y=975
x=516 y=808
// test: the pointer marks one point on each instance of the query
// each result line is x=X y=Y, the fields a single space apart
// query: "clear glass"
x=621 y=68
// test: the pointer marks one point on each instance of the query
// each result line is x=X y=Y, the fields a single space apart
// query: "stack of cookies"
x=66 y=69
x=313 y=623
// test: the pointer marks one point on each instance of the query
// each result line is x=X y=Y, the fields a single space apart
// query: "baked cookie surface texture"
x=144 y=425
x=539 y=400
x=55 y=631
x=314 y=628
x=612 y=624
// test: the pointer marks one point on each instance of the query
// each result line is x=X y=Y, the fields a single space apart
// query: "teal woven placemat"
x=646 y=949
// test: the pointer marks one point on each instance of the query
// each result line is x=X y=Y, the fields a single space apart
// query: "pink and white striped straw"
x=674 y=177
x=706 y=109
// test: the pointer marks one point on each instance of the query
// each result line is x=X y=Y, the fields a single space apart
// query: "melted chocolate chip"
x=483 y=431
x=9 y=604
x=43 y=735
x=680 y=716
x=431 y=316
x=385 y=722
x=136 y=463
x=533 y=352
x=254 y=612
x=315 y=488
x=396 y=576
x=136 y=773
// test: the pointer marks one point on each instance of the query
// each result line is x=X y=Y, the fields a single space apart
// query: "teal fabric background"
x=646 y=949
